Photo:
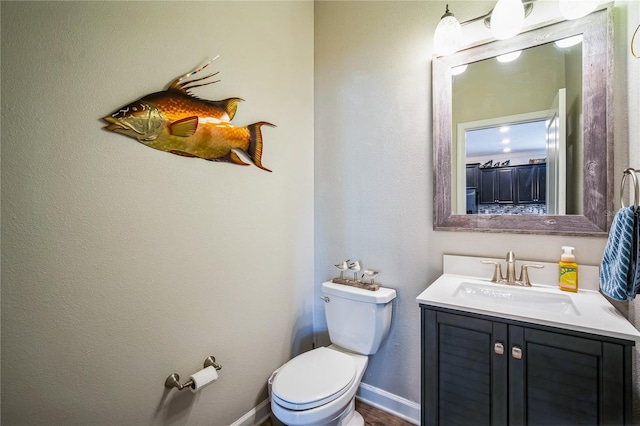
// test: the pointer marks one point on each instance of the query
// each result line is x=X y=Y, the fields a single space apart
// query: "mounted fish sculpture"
x=180 y=123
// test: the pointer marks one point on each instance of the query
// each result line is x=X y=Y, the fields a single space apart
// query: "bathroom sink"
x=465 y=286
x=515 y=297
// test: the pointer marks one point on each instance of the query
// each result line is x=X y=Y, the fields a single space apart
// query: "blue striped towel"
x=620 y=269
x=634 y=270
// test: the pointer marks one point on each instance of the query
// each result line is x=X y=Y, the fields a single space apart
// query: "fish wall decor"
x=176 y=121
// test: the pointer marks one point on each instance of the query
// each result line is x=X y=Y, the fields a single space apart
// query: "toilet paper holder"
x=173 y=381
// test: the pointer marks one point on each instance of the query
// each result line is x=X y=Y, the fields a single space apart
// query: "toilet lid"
x=313 y=379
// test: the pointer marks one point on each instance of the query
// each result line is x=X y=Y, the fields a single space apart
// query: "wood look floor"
x=372 y=417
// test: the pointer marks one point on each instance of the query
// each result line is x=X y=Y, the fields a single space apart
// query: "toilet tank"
x=357 y=319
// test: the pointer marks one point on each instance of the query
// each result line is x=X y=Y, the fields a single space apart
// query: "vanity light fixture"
x=506 y=141
x=448 y=36
x=574 y=9
x=506 y=150
x=504 y=129
x=508 y=57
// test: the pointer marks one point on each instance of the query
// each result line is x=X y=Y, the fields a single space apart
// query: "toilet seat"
x=313 y=379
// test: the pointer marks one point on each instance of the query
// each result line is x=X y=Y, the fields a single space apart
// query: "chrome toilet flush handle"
x=325 y=299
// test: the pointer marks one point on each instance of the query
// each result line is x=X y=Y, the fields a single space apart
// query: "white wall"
x=373 y=157
x=122 y=264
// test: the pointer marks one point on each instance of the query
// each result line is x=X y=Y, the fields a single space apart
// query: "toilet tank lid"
x=381 y=296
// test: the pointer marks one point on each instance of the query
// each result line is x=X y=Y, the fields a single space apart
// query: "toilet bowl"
x=319 y=388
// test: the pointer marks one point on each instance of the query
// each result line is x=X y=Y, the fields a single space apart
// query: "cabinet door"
x=473 y=176
x=559 y=379
x=505 y=182
x=487 y=186
x=464 y=377
x=530 y=184
x=526 y=185
x=542 y=183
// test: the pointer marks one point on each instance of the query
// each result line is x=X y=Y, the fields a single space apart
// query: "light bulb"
x=507 y=19
x=448 y=36
x=508 y=57
x=568 y=42
x=459 y=69
x=574 y=9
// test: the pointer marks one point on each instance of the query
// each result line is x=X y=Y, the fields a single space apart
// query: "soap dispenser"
x=568 y=270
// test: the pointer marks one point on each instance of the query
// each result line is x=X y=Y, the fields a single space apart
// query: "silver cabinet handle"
x=498 y=348
x=516 y=352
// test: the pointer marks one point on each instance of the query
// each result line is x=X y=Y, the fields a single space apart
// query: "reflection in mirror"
x=548 y=81
x=515 y=125
x=510 y=145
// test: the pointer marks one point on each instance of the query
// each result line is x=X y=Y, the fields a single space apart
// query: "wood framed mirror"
x=572 y=193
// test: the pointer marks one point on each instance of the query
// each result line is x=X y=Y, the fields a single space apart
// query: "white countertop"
x=594 y=312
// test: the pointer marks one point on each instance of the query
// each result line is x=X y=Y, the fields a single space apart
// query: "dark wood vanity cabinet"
x=483 y=370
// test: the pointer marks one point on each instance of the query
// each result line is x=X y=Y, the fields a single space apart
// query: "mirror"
x=526 y=143
x=554 y=182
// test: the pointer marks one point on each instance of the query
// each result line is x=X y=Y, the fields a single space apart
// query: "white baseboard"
x=392 y=404
x=256 y=416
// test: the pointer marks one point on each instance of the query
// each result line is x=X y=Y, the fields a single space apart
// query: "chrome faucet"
x=510 y=279
x=511 y=267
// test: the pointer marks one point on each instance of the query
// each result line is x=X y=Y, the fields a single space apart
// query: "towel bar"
x=636 y=190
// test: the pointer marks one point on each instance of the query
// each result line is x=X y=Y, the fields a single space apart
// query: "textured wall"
x=122 y=264
x=373 y=157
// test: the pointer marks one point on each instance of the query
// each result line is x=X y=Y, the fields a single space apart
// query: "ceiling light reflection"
x=569 y=41
x=459 y=70
x=508 y=57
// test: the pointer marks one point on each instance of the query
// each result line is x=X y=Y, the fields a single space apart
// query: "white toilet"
x=319 y=387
